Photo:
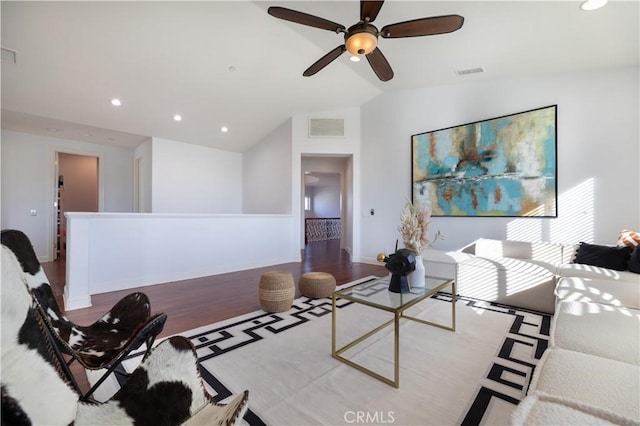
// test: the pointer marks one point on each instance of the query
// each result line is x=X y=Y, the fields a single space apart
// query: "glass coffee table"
x=374 y=293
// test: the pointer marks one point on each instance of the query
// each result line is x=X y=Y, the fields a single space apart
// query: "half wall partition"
x=116 y=251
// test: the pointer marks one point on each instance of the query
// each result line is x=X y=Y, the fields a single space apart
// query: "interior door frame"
x=54 y=185
x=346 y=189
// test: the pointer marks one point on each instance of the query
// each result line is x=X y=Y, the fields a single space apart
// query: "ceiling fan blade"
x=369 y=10
x=304 y=19
x=423 y=27
x=324 y=61
x=380 y=65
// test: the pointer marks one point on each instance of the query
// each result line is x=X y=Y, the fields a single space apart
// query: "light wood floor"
x=201 y=301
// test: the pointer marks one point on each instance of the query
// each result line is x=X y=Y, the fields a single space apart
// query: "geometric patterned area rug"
x=475 y=375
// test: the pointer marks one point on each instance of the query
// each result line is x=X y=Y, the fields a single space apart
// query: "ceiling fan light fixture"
x=361 y=39
x=354 y=58
x=589 y=5
x=361 y=43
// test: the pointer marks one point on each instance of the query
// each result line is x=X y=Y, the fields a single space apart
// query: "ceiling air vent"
x=326 y=127
x=8 y=55
x=470 y=71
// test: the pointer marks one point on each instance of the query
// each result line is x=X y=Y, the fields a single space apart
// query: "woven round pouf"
x=317 y=285
x=276 y=291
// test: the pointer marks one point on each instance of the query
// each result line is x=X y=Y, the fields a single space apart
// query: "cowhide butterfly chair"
x=102 y=345
x=165 y=389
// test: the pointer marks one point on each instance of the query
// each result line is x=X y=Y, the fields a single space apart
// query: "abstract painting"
x=504 y=166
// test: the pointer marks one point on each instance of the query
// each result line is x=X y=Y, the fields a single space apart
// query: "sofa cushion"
x=612 y=257
x=596 y=381
x=597 y=329
x=442 y=264
x=596 y=272
x=634 y=261
x=539 y=268
x=515 y=282
x=540 y=408
x=609 y=292
x=537 y=251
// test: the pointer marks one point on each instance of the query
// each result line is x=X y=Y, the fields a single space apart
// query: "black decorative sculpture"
x=399 y=264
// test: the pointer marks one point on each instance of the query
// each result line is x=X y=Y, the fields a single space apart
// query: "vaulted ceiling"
x=228 y=63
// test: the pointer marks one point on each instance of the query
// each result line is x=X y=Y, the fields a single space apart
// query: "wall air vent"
x=326 y=127
x=8 y=55
x=470 y=71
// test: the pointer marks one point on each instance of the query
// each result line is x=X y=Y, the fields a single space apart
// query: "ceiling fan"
x=361 y=39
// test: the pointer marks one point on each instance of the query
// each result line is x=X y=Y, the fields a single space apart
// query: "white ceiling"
x=163 y=58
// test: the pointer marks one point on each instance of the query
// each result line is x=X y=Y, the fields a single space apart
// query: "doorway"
x=326 y=189
x=77 y=190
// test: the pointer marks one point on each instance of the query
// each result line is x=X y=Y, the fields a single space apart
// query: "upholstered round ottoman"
x=276 y=291
x=316 y=285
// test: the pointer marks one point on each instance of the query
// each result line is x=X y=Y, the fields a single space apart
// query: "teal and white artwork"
x=503 y=166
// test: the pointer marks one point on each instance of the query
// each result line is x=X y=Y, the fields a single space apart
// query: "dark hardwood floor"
x=201 y=301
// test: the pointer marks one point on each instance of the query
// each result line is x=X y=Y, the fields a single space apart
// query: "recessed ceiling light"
x=224 y=129
x=177 y=117
x=116 y=102
x=470 y=71
x=8 y=55
x=311 y=179
x=354 y=58
x=592 y=4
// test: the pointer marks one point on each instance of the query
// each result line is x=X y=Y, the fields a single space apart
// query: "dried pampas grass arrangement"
x=414 y=224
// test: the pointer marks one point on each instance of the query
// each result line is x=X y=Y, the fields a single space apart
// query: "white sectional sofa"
x=526 y=274
x=590 y=374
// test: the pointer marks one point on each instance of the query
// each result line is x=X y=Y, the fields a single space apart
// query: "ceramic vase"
x=416 y=278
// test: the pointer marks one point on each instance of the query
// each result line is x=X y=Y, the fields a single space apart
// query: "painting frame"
x=505 y=166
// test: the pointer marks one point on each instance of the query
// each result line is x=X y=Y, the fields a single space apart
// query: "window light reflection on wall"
x=589 y=5
x=576 y=223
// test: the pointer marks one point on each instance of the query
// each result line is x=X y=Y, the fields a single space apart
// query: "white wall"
x=348 y=146
x=28 y=182
x=189 y=178
x=326 y=201
x=266 y=174
x=598 y=153
x=143 y=154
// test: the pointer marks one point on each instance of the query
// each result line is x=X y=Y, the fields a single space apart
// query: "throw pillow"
x=628 y=238
x=634 y=262
x=612 y=257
